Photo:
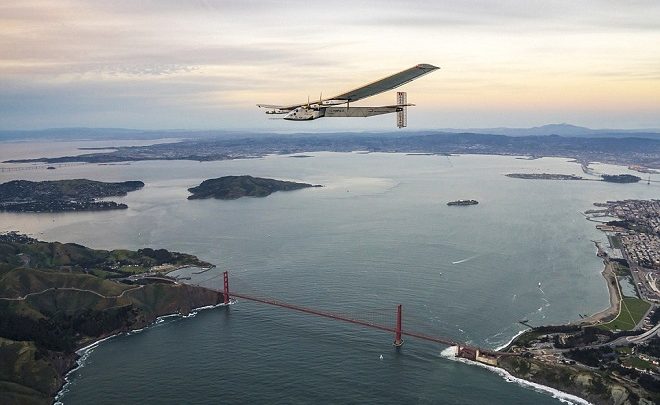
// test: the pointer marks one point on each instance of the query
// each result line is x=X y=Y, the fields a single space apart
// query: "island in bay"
x=621 y=178
x=463 y=202
x=610 y=178
x=544 y=176
x=56 y=298
x=234 y=187
x=63 y=195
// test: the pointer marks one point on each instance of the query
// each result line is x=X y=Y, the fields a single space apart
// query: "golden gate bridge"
x=463 y=350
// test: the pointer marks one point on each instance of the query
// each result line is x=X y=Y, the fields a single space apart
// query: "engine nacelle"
x=276 y=111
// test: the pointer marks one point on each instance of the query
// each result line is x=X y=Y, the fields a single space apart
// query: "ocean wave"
x=511 y=340
x=84 y=353
x=450 y=354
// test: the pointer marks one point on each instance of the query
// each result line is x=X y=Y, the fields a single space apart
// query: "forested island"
x=234 y=187
x=63 y=195
x=58 y=297
x=620 y=178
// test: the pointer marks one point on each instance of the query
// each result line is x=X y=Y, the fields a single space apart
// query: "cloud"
x=77 y=60
x=522 y=16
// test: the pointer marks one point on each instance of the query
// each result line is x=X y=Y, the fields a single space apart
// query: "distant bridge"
x=39 y=167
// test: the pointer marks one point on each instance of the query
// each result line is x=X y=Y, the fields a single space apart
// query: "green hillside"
x=56 y=297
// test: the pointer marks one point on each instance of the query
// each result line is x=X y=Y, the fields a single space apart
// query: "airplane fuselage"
x=304 y=113
x=311 y=113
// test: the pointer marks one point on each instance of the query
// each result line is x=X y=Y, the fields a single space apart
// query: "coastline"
x=601 y=300
x=508 y=377
x=513 y=339
x=599 y=317
x=594 y=319
x=85 y=351
x=563 y=396
x=615 y=296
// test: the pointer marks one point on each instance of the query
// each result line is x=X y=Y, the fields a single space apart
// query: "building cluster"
x=643 y=249
x=643 y=213
x=641 y=240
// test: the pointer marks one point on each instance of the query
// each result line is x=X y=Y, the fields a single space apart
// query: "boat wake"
x=465 y=260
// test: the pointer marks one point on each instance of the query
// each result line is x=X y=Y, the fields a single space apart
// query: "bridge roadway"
x=330 y=315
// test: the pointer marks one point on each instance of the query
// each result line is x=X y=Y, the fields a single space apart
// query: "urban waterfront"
x=379 y=233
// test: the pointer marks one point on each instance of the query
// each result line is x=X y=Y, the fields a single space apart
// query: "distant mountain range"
x=565 y=130
x=561 y=130
x=617 y=150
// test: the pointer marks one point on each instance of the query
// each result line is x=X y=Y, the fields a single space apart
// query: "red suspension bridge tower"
x=398 y=340
x=226 y=289
x=398 y=330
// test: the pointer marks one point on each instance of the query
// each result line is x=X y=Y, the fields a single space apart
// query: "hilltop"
x=629 y=149
x=63 y=195
x=57 y=297
x=234 y=187
x=82 y=133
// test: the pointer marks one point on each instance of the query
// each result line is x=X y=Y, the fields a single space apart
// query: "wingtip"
x=427 y=66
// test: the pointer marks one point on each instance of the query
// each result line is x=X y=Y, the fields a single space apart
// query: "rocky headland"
x=56 y=298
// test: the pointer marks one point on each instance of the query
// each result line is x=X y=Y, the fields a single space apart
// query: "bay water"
x=378 y=233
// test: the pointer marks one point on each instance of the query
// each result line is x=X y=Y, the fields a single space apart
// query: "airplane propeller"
x=316 y=106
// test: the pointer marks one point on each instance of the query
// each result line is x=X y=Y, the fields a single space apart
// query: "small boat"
x=463 y=202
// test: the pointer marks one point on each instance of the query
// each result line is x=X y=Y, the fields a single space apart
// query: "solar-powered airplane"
x=333 y=106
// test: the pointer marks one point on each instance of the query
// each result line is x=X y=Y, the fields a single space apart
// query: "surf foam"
x=450 y=353
x=86 y=351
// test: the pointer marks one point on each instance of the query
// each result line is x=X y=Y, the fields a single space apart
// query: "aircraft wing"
x=387 y=83
x=371 y=89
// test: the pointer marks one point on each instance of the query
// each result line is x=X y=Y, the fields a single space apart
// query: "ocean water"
x=377 y=234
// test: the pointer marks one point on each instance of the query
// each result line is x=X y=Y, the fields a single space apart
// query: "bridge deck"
x=327 y=314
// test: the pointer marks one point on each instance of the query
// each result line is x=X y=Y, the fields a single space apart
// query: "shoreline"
x=615 y=298
x=595 y=319
x=599 y=317
x=513 y=339
x=560 y=395
x=85 y=351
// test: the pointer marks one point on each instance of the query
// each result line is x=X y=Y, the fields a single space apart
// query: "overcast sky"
x=205 y=64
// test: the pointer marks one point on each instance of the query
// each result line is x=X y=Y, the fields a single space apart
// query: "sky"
x=174 y=64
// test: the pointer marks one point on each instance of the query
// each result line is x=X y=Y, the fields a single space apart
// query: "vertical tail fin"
x=402 y=111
